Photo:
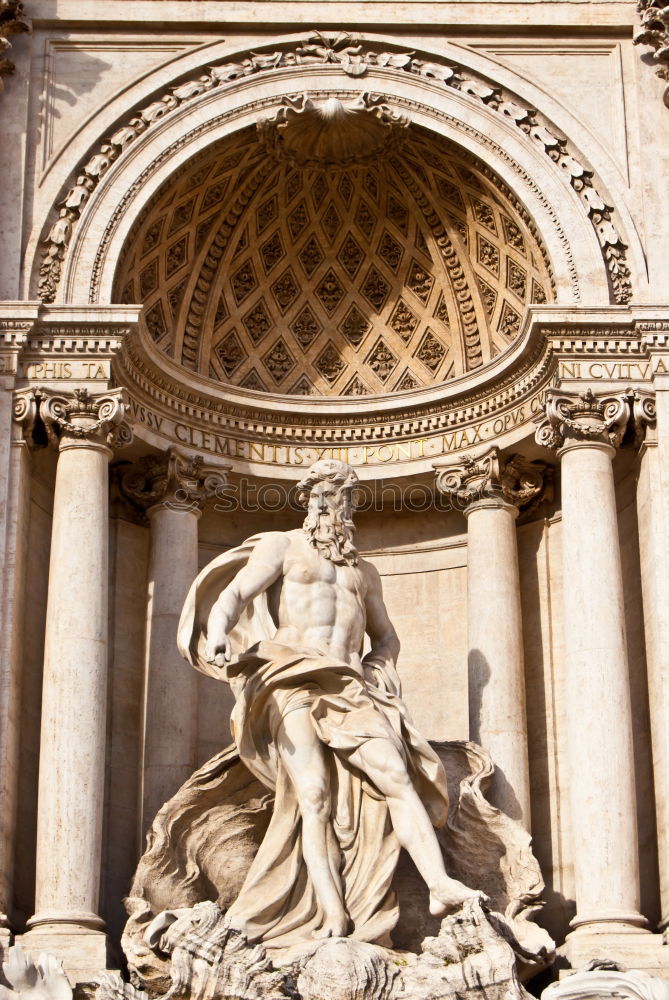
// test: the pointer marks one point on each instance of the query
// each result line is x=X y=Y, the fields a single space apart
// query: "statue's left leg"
x=384 y=766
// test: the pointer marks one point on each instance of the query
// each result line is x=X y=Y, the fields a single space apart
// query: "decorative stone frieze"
x=173 y=480
x=654 y=31
x=490 y=479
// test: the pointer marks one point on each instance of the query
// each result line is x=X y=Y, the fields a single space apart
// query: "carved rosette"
x=174 y=480
x=490 y=480
x=83 y=419
x=574 y=419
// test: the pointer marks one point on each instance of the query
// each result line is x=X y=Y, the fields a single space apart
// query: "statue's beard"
x=332 y=535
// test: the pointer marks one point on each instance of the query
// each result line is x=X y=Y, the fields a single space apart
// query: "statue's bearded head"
x=327 y=491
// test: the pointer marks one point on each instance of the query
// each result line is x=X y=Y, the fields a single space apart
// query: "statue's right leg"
x=304 y=758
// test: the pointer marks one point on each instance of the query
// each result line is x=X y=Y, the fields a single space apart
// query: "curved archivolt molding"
x=449 y=94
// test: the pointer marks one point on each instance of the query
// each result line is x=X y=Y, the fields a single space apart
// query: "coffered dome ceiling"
x=334 y=268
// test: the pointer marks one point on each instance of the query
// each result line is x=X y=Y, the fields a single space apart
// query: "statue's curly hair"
x=327 y=470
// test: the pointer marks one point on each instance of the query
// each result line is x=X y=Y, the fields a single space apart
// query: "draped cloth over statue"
x=348 y=705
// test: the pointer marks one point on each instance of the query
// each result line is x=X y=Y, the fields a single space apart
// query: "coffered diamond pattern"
x=334 y=282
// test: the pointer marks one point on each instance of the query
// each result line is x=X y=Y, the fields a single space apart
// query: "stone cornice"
x=401 y=433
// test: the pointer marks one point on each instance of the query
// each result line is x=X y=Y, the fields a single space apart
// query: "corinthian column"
x=172 y=489
x=490 y=491
x=586 y=431
x=74 y=700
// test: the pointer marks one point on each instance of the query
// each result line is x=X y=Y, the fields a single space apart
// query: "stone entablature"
x=382 y=436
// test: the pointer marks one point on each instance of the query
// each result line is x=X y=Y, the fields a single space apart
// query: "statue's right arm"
x=265 y=565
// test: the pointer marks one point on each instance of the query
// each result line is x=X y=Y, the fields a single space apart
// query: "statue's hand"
x=218 y=652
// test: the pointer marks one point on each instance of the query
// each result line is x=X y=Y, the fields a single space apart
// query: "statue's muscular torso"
x=318 y=603
x=314 y=602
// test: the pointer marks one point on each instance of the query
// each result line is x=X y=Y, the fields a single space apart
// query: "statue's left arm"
x=383 y=637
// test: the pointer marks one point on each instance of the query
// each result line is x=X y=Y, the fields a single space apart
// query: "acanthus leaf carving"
x=492 y=479
x=173 y=479
x=85 y=418
x=583 y=416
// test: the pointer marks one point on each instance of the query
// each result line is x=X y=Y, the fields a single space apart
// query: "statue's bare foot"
x=451 y=894
x=335 y=925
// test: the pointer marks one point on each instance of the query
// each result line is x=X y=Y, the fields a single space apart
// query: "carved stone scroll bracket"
x=26 y=407
x=12 y=22
x=176 y=480
x=644 y=415
x=573 y=418
x=654 y=31
x=329 y=133
x=85 y=419
x=490 y=479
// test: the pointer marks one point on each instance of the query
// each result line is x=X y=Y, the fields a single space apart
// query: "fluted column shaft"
x=586 y=432
x=490 y=491
x=74 y=717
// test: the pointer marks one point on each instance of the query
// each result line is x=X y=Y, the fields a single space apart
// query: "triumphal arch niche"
x=404 y=258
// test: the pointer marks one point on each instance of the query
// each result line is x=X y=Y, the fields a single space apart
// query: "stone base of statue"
x=472 y=955
x=181 y=941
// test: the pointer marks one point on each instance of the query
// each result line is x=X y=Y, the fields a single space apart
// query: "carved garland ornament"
x=341 y=51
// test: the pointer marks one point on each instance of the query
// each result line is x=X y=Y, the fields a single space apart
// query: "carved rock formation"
x=178 y=941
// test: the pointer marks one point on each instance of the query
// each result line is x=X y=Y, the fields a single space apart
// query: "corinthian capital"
x=176 y=480
x=577 y=418
x=489 y=480
x=84 y=419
